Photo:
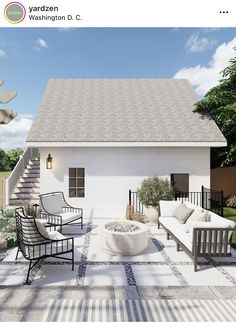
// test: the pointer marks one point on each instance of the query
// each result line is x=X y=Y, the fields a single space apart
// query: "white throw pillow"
x=41 y=228
x=182 y=213
x=196 y=216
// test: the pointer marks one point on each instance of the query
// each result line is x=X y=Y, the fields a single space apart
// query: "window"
x=180 y=182
x=76 y=182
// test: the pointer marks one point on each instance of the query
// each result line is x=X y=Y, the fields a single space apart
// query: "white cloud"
x=41 y=43
x=14 y=134
x=211 y=29
x=205 y=77
x=65 y=28
x=2 y=53
x=196 y=44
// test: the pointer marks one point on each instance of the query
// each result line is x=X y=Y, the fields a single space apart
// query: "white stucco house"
x=106 y=135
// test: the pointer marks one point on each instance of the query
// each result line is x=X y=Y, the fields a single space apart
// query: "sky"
x=31 y=56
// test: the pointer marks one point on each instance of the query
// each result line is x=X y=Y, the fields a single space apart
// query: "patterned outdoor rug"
x=140 y=310
x=159 y=265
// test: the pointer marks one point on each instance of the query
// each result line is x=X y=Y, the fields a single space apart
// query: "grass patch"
x=5 y=174
x=230 y=214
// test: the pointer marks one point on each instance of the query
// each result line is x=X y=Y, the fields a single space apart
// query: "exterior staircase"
x=27 y=188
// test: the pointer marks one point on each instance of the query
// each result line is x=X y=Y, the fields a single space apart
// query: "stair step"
x=17 y=202
x=30 y=185
x=31 y=176
x=34 y=162
x=24 y=179
x=24 y=196
x=27 y=190
x=32 y=171
x=33 y=167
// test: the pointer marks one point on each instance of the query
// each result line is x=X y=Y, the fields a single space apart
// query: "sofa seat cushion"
x=167 y=207
x=177 y=229
x=182 y=213
x=215 y=218
x=69 y=216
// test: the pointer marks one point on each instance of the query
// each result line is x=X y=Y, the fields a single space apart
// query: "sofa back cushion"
x=215 y=218
x=191 y=205
x=167 y=207
x=182 y=212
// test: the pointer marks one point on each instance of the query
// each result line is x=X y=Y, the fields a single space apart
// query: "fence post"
x=176 y=195
x=2 y=192
x=222 y=203
x=129 y=197
x=202 y=196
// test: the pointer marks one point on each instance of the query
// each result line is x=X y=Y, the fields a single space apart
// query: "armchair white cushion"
x=53 y=205
x=69 y=216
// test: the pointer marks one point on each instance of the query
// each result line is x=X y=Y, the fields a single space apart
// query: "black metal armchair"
x=35 y=243
x=57 y=212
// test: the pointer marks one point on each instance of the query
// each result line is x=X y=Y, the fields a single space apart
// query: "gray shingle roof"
x=121 y=110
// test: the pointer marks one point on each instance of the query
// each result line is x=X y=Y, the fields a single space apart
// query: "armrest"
x=51 y=218
x=50 y=247
x=65 y=244
x=212 y=241
x=212 y=225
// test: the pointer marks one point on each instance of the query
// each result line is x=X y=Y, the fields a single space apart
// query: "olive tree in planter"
x=152 y=190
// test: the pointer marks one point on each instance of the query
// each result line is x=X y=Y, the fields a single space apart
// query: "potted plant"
x=152 y=190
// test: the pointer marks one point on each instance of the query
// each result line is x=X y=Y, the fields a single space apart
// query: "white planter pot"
x=151 y=213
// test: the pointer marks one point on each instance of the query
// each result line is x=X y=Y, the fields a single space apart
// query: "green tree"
x=14 y=156
x=4 y=161
x=220 y=103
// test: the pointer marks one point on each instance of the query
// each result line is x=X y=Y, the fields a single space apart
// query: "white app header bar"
x=118 y=13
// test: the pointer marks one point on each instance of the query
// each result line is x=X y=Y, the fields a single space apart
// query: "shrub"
x=153 y=189
x=231 y=202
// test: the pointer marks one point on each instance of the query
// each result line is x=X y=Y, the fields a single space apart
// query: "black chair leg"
x=73 y=264
x=27 y=280
x=17 y=253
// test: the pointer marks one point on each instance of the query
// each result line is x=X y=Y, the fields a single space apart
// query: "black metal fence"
x=134 y=201
x=208 y=199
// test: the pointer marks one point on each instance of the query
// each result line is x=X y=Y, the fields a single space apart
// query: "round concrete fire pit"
x=123 y=237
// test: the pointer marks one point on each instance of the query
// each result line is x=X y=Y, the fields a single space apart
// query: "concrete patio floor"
x=28 y=303
x=159 y=265
x=161 y=273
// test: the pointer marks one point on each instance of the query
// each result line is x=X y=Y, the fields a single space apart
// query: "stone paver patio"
x=160 y=273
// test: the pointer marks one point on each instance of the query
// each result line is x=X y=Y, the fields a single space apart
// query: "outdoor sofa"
x=202 y=234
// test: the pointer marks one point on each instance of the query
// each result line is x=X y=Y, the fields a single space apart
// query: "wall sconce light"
x=49 y=162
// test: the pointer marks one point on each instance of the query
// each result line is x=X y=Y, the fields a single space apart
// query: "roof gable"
x=121 y=110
